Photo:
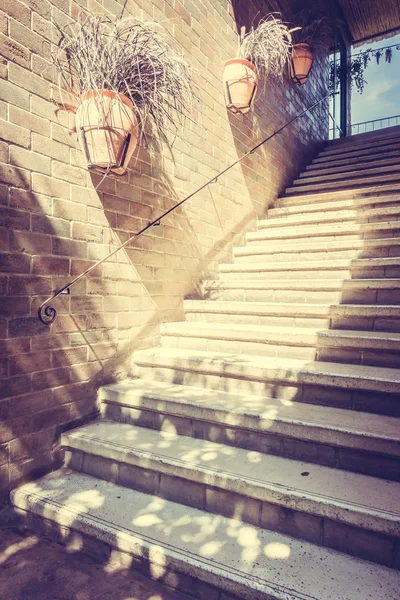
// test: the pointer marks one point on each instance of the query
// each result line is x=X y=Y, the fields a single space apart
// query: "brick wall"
x=54 y=224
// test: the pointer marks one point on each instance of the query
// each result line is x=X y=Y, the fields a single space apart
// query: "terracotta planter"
x=301 y=62
x=108 y=130
x=240 y=84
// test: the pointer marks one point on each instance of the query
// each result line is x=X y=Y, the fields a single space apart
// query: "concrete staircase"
x=255 y=454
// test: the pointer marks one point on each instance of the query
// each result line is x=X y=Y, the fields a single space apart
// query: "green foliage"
x=358 y=64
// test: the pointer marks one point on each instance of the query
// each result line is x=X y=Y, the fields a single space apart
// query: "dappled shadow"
x=34 y=566
x=182 y=547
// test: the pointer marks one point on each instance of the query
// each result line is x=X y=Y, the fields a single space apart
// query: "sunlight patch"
x=158 y=562
x=146 y=520
x=254 y=457
x=249 y=555
x=92 y=498
x=286 y=402
x=211 y=548
x=277 y=550
x=209 y=456
x=17 y=547
x=247 y=536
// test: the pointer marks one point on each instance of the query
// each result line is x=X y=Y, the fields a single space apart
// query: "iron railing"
x=375 y=125
x=47 y=313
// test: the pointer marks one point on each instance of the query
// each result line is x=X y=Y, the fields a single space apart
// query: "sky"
x=381 y=96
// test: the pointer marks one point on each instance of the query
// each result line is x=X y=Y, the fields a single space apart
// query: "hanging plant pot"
x=108 y=130
x=300 y=63
x=240 y=85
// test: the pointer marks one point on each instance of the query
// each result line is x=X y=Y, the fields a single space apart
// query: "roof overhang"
x=371 y=20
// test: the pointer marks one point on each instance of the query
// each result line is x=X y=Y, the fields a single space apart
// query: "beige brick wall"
x=54 y=223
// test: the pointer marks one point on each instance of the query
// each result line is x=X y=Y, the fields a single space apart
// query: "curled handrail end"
x=46 y=314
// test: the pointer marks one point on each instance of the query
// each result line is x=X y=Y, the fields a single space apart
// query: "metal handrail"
x=47 y=314
x=366 y=123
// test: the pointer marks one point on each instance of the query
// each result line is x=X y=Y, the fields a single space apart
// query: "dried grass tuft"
x=267 y=46
x=137 y=59
x=316 y=30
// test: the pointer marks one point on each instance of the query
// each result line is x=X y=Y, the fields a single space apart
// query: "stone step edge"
x=277 y=216
x=371 y=144
x=247 y=281
x=350 y=184
x=284 y=336
x=365 y=135
x=283 y=232
x=375 y=146
x=386 y=164
x=158 y=397
x=367 y=204
x=299 y=285
x=336 y=264
x=333 y=245
x=164 y=558
x=254 y=368
x=219 y=477
x=381 y=159
x=348 y=175
x=344 y=194
x=328 y=217
x=291 y=308
x=362 y=156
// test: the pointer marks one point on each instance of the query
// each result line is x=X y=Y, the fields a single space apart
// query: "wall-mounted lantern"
x=240 y=85
x=108 y=131
x=300 y=63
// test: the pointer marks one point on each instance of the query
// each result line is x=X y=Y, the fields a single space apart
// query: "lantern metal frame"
x=93 y=167
x=300 y=79
x=232 y=107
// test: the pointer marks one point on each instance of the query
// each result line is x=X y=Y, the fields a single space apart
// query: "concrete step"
x=212 y=557
x=338 y=438
x=340 y=176
x=357 y=193
x=370 y=389
x=296 y=314
x=386 y=142
x=327 y=269
x=377 y=150
x=353 y=183
x=311 y=250
x=379 y=134
x=269 y=342
x=375 y=135
x=375 y=348
x=327 y=231
x=281 y=220
x=234 y=285
x=329 y=216
x=334 y=507
x=350 y=155
x=362 y=158
x=309 y=268
x=374 y=205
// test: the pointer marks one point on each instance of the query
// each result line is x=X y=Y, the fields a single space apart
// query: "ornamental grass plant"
x=267 y=46
x=139 y=60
